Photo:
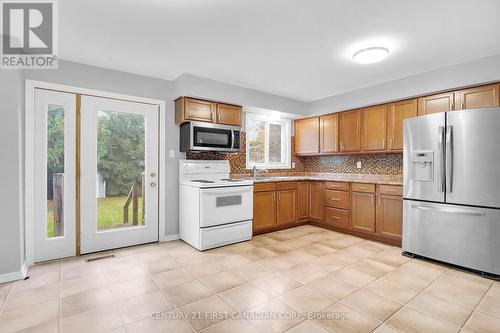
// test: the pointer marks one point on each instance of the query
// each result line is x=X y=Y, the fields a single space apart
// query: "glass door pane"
x=55 y=170
x=120 y=170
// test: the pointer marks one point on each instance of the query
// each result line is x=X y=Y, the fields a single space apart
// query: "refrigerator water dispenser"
x=422 y=165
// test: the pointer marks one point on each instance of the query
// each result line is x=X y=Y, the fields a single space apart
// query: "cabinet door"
x=390 y=216
x=287 y=207
x=435 y=103
x=303 y=200
x=229 y=114
x=307 y=136
x=363 y=212
x=478 y=97
x=396 y=113
x=199 y=110
x=329 y=133
x=264 y=210
x=349 y=125
x=373 y=128
x=316 y=201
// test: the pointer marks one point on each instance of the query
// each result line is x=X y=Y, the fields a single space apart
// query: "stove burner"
x=202 y=181
x=231 y=180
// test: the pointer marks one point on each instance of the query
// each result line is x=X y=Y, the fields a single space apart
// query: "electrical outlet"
x=358 y=165
x=171 y=153
x=293 y=165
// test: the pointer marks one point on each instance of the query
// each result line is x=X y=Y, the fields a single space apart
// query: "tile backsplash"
x=382 y=164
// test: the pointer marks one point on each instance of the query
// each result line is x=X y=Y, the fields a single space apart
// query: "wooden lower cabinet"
x=363 y=212
x=366 y=210
x=287 y=207
x=302 y=201
x=264 y=210
x=389 y=216
x=335 y=217
x=316 y=201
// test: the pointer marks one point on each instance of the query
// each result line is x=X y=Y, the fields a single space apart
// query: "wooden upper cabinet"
x=316 y=201
x=287 y=207
x=363 y=212
x=349 y=126
x=192 y=109
x=478 y=97
x=329 y=133
x=396 y=113
x=436 y=103
x=264 y=210
x=373 y=128
x=390 y=216
x=307 y=136
x=189 y=109
x=302 y=200
x=228 y=114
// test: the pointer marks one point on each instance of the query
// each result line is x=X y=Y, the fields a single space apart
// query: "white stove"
x=214 y=210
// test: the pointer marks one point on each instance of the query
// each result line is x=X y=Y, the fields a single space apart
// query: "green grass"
x=109 y=213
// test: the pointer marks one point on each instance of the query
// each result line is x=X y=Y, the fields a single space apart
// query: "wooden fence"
x=58 y=203
x=133 y=197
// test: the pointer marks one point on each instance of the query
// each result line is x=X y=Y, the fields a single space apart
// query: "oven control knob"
x=153 y=184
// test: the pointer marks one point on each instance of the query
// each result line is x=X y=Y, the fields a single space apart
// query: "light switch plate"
x=358 y=165
x=171 y=153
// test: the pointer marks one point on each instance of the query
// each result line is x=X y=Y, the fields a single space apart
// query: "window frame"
x=286 y=142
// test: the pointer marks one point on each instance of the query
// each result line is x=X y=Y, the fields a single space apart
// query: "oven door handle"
x=227 y=191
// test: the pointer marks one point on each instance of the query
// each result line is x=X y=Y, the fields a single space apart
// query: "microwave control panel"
x=236 y=143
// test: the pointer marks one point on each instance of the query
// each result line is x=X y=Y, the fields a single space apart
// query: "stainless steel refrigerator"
x=451 y=188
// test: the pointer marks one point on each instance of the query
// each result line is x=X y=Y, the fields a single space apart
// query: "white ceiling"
x=296 y=48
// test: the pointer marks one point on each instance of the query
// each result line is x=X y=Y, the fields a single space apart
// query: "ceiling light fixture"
x=370 y=55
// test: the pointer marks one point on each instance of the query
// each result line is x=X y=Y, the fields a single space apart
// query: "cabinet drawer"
x=390 y=189
x=286 y=186
x=337 y=217
x=360 y=187
x=340 y=186
x=260 y=187
x=337 y=199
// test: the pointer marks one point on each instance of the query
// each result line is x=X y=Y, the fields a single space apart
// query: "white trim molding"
x=17 y=275
x=29 y=126
x=169 y=238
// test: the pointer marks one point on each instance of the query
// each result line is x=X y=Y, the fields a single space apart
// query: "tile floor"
x=305 y=279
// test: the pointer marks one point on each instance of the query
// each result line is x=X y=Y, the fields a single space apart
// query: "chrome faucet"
x=254 y=172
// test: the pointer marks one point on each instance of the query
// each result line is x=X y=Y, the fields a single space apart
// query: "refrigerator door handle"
x=449 y=210
x=449 y=159
x=441 y=159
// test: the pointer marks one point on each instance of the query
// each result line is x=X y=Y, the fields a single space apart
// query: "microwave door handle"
x=232 y=139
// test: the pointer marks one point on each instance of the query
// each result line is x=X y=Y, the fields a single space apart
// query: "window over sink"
x=268 y=142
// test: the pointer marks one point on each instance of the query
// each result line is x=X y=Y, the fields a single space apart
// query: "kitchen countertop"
x=340 y=177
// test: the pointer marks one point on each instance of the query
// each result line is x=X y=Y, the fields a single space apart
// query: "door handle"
x=449 y=159
x=441 y=160
x=449 y=210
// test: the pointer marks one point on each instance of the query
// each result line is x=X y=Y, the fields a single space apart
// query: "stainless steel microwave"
x=199 y=136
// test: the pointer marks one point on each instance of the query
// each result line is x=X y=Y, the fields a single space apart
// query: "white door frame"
x=29 y=160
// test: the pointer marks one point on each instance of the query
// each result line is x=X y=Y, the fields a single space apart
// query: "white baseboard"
x=13 y=276
x=169 y=238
